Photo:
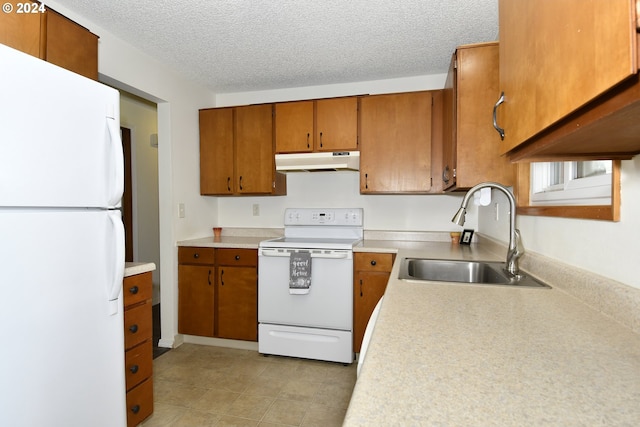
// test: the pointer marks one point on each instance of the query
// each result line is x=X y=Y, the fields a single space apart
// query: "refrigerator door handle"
x=115 y=193
x=114 y=286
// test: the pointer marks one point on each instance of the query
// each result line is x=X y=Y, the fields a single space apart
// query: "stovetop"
x=320 y=228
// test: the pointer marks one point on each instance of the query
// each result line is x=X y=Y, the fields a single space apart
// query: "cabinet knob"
x=237 y=257
x=196 y=255
x=135 y=409
x=133 y=290
x=373 y=262
x=133 y=329
x=134 y=369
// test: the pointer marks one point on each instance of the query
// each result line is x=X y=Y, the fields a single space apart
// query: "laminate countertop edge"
x=134 y=268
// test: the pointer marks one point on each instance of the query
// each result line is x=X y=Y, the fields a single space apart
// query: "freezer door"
x=62 y=356
x=60 y=139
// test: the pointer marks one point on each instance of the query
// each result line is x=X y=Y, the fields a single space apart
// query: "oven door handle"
x=323 y=255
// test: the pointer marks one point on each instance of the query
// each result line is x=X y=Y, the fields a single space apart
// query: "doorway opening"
x=140 y=205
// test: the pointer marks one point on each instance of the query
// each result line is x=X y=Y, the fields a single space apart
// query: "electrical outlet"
x=256 y=209
x=181 y=213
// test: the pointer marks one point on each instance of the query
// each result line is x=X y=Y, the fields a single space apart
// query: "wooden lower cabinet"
x=196 y=291
x=138 y=335
x=371 y=275
x=218 y=292
x=237 y=287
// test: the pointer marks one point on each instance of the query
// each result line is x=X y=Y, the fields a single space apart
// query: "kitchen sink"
x=477 y=272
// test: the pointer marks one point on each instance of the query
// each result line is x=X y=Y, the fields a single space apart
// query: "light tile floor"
x=197 y=385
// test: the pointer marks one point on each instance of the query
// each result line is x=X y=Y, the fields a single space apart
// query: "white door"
x=61 y=322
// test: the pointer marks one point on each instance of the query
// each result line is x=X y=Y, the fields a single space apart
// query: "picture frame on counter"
x=465 y=237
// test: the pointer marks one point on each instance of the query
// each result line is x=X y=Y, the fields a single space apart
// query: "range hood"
x=309 y=162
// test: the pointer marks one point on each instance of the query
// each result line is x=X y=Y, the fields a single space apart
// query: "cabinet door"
x=238 y=303
x=395 y=153
x=71 y=46
x=216 y=151
x=294 y=127
x=337 y=124
x=477 y=144
x=368 y=290
x=555 y=56
x=21 y=31
x=196 y=299
x=255 y=162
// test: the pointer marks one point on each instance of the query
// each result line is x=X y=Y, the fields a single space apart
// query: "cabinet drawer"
x=373 y=261
x=137 y=288
x=140 y=403
x=243 y=257
x=138 y=364
x=194 y=255
x=137 y=325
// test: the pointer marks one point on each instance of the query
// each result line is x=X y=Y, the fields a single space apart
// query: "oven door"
x=329 y=303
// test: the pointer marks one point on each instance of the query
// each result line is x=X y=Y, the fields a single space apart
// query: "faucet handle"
x=514 y=254
x=519 y=246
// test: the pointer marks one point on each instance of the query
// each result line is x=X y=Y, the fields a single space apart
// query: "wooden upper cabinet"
x=395 y=139
x=216 y=151
x=237 y=152
x=21 y=31
x=317 y=125
x=472 y=146
x=557 y=56
x=337 y=124
x=254 y=160
x=71 y=46
x=52 y=37
x=294 y=126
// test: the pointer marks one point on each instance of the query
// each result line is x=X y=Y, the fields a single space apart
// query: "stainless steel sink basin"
x=479 y=272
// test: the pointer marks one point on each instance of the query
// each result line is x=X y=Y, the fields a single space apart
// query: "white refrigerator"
x=61 y=248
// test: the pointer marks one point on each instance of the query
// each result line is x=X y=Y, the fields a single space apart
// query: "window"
x=571 y=183
x=580 y=189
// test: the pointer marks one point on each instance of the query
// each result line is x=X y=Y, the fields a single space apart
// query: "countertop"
x=133 y=268
x=461 y=355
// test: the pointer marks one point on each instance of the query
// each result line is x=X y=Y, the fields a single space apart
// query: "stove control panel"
x=351 y=217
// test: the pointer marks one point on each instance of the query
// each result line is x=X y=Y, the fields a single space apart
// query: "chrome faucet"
x=515 y=245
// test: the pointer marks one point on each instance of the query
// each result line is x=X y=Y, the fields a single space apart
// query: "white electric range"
x=305 y=285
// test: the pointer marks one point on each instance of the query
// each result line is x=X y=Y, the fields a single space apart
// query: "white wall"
x=142 y=118
x=603 y=247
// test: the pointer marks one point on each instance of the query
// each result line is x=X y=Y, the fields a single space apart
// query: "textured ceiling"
x=250 y=45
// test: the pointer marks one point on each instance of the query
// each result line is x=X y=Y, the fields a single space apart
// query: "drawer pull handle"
x=134 y=369
x=135 y=409
x=237 y=257
x=209 y=277
x=133 y=290
x=222 y=277
x=373 y=262
x=196 y=255
x=133 y=329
